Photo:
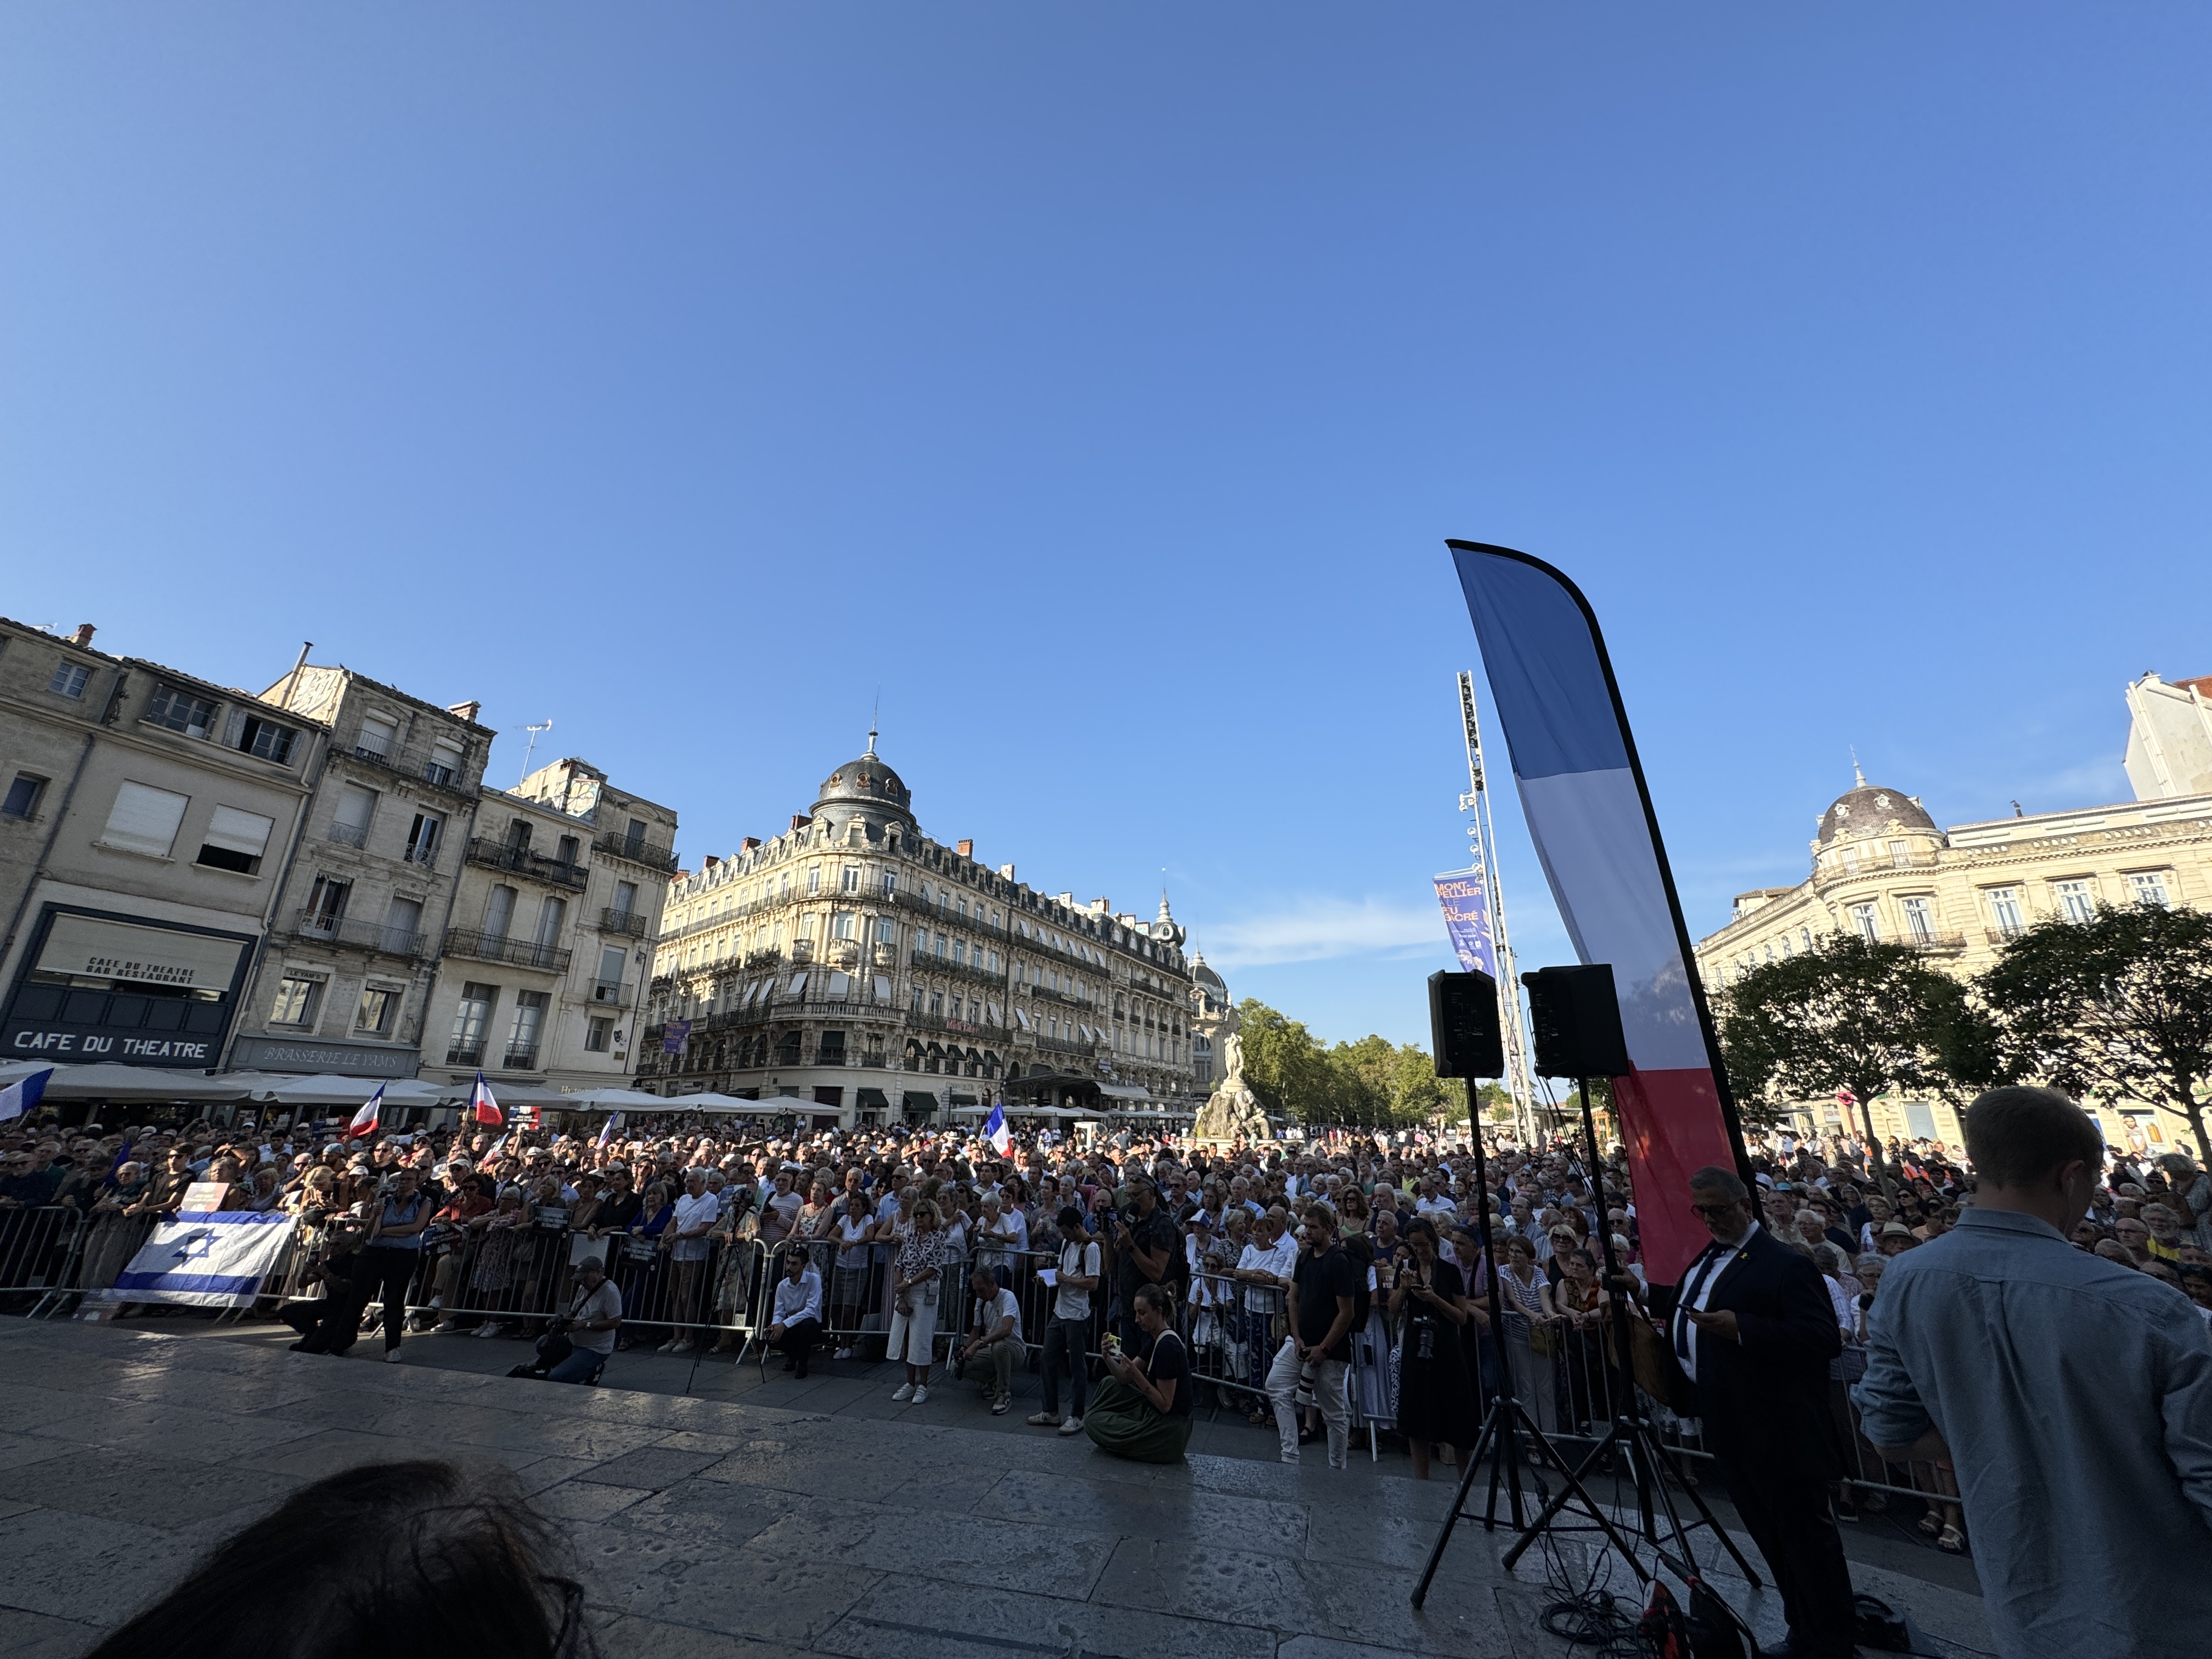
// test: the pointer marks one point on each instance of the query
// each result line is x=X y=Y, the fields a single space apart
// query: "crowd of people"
x=1322 y=1287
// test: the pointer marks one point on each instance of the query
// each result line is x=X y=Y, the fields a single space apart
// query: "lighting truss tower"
x=1483 y=866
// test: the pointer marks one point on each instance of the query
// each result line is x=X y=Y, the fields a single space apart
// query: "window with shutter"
x=144 y=819
x=235 y=841
x=377 y=737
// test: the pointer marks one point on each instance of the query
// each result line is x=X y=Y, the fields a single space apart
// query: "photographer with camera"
x=1146 y=1243
x=575 y=1349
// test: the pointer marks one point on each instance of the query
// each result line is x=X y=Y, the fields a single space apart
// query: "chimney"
x=965 y=848
x=1102 y=905
x=467 y=711
x=749 y=844
x=83 y=636
x=709 y=861
x=799 y=821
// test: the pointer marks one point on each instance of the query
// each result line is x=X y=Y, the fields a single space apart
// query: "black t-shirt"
x=1153 y=1235
x=1321 y=1279
x=1165 y=1361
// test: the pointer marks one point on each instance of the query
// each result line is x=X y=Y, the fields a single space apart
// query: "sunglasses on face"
x=1712 y=1209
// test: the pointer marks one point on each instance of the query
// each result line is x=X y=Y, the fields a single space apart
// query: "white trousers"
x=1328 y=1397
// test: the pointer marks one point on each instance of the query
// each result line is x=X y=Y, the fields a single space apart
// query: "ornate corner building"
x=1881 y=868
x=860 y=966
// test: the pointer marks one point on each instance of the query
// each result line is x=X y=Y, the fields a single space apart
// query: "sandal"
x=1930 y=1524
x=1952 y=1541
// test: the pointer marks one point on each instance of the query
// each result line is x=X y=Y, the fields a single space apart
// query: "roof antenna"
x=874 y=718
x=544 y=725
x=1856 y=773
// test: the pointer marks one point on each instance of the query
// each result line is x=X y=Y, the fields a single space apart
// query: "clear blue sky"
x=1102 y=384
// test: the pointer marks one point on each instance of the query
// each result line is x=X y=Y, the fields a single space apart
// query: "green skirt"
x=1122 y=1421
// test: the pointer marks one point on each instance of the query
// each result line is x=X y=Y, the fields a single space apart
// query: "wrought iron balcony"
x=409 y=764
x=361 y=935
x=514 y=953
x=347 y=835
x=638 y=851
x=466 y=1055
x=626 y=922
x=521 y=861
x=520 y=1057
x=607 y=990
x=1935 y=941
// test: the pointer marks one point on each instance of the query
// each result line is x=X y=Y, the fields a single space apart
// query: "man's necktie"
x=1691 y=1289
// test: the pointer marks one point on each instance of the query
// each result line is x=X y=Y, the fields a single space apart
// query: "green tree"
x=1417 y=1093
x=2120 y=1006
x=1286 y=1065
x=1847 y=1014
x=1366 y=1082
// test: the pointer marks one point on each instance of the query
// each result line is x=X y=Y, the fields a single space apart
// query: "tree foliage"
x=2118 y=1006
x=1372 y=1082
x=1847 y=1014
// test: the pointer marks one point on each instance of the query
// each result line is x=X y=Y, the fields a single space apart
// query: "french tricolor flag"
x=1590 y=817
x=482 y=1107
x=25 y=1092
x=995 y=1132
x=365 y=1120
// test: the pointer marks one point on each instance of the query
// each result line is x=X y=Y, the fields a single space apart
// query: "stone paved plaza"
x=795 y=1520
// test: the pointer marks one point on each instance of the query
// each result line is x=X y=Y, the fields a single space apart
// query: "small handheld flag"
x=995 y=1132
x=608 y=1128
x=25 y=1092
x=364 y=1121
x=483 y=1106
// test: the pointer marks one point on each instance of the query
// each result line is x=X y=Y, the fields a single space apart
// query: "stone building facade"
x=148 y=818
x=363 y=903
x=560 y=892
x=857 y=964
x=1881 y=867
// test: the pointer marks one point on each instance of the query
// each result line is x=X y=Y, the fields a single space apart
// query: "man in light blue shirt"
x=2073 y=1396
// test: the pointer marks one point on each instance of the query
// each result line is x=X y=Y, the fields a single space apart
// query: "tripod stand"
x=1632 y=1433
x=1503 y=1425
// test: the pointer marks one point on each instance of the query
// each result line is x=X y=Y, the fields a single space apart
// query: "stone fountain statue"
x=1233 y=1112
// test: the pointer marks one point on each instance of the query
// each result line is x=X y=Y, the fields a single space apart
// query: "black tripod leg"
x=1573 y=1489
x=1458 y=1508
x=1707 y=1516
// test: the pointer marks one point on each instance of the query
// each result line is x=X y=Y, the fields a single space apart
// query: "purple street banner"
x=1590 y=817
x=1467 y=919
x=672 y=1035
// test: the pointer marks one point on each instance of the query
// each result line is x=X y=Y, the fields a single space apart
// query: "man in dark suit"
x=1754 y=1327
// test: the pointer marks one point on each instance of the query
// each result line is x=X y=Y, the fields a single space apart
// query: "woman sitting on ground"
x=1142 y=1410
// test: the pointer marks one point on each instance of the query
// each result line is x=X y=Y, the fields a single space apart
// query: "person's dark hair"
x=1159 y=1298
x=1360 y=1248
x=1419 y=1225
x=1070 y=1218
x=365 y=1564
x=1727 y=1182
x=2019 y=1134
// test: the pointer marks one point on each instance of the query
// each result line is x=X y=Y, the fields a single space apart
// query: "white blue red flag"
x=995 y=1132
x=482 y=1107
x=1590 y=817
x=25 y=1092
x=607 y=1128
x=364 y=1121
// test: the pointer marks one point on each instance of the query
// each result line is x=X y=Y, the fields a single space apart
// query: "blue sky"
x=1102 y=384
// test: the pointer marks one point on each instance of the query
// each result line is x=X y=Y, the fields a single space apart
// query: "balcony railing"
x=514 y=953
x=1833 y=868
x=416 y=766
x=2002 y=936
x=361 y=935
x=828 y=1056
x=521 y=861
x=925 y=962
x=1936 y=941
x=637 y=852
x=520 y=1057
x=466 y=1055
x=347 y=835
x=626 y=922
x=607 y=990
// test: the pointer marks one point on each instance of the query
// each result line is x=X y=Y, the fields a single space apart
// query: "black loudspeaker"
x=1575 y=1021
x=1463 y=1025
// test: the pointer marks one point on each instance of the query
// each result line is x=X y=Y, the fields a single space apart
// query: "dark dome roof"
x=865 y=781
x=1205 y=975
x=1867 y=810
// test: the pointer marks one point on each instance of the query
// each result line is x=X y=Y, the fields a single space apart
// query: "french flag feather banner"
x=1589 y=814
x=365 y=1120
x=482 y=1107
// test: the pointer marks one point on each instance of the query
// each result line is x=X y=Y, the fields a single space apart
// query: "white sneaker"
x=437 y=1302
x=444 y=1328
x=844 y=1353
x=681 y=1347
x=921 y=1393
x=391 y=1355
x=904 y=1391
x=668 y=1346
x=487 y=1329
x=1073 y=1426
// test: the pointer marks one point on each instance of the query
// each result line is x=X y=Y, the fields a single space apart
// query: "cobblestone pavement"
x=830 y=1521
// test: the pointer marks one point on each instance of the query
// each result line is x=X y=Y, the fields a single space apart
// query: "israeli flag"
x=213 y=1261
x=25 y=1092
x=994 y=1131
